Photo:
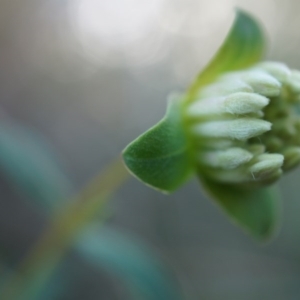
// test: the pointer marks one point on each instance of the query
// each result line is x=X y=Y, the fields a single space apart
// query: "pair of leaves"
x=162 y=157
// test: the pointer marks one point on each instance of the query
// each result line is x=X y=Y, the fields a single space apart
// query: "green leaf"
x=56 y=287
x=129 y=258
x=31 y=167
x=160 y=157
x=243 y=46
x=256 y=210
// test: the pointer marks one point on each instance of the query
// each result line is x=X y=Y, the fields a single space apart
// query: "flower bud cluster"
x=245 y=125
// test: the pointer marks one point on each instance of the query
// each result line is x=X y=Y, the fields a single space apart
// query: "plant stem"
x=42 y=259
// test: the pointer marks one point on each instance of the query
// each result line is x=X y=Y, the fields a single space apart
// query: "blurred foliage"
x=31 y=166
x=131 y=260
x=34 y=170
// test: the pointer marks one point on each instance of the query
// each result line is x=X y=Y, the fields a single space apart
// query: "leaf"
x=29 y=164
x=160 y=157
x=129 y=258
x=243 y=46
x=255 y=210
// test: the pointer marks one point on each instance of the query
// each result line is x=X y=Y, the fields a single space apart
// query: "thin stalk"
x=45 y=255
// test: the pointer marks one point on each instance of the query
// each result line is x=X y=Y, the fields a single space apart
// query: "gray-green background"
x=92 y=75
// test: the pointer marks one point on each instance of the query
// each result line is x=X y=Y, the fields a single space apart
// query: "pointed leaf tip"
x=160 y=157
x=243 y=47
x=255 y=210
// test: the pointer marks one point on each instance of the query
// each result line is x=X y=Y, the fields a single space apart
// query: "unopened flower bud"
x=284 y=128
x=249 y=136
x=293 y=82
x=274 y=143
x=263 y=83
x=237 y=104
x=233 y=85
x=291 y=157
x=278 y=70
x=266 y=165
x=272 y=178
x=239 y=129
x=244 y=103
x=226 y=159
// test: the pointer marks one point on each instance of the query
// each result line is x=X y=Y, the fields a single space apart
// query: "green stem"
x=45 y=255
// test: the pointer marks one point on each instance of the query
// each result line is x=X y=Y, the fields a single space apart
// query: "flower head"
x=237 y=128
x=245 y=127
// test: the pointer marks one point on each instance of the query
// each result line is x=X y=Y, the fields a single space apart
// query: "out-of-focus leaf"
x=160 y=157
x=255 y=210
x=29 y=164
x=56 y=286
x=132 y=261
x=243 y=46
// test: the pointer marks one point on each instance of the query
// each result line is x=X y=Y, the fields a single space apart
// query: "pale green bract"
x=236 y=128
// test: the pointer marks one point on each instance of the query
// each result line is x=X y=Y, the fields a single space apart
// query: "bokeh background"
x=89 y=76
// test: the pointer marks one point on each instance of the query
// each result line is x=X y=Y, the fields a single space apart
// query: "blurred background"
x=86 y=77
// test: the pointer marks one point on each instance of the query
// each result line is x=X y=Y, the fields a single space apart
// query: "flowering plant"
x=236 y=128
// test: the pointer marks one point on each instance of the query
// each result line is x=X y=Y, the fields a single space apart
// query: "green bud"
x=274 y=143
x=293 y=82
x=207 y=107
x=284 y=128
x=244 y=103
x=239 y=129
x=272 y=178
x=228 y=87
x=234 y=176
x=237 y=104
x=262 y=83
x=266 y=165
x=278 y=70
x=226 y=159
x=291 y=157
